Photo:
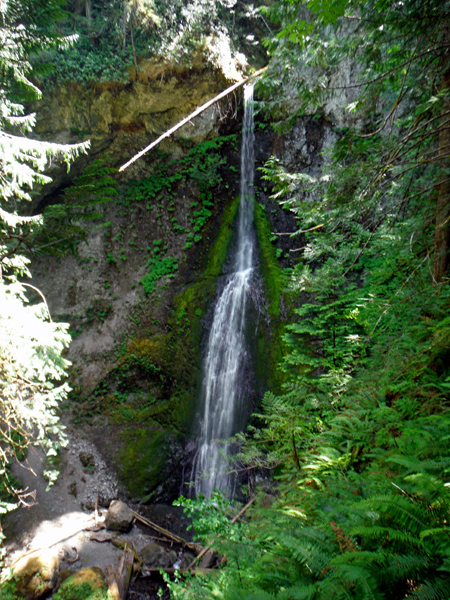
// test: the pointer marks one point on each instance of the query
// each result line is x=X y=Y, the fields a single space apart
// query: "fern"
x=433 y=590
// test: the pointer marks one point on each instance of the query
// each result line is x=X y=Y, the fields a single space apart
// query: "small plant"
x=159 y=267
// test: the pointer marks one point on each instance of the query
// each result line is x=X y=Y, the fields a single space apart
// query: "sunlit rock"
x=119 y=517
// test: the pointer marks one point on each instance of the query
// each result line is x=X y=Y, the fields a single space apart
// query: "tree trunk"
x=442 y=221
x=88 y=12
x=124 y=23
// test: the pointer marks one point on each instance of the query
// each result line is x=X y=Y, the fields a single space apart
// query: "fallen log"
x=166 y=533
x=118 y=582
x=172 y=571
x=194 y=114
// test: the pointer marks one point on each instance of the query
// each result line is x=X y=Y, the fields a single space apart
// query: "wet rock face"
x=123 y=118
x=147 y=105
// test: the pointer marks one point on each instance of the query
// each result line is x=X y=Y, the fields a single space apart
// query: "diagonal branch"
x=189 y=117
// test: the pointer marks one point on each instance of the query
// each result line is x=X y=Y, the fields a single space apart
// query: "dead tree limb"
x=196 y=112
x=119 y=581
x=165 y=532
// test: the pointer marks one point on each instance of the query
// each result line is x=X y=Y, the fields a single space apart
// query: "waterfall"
x=222 y=389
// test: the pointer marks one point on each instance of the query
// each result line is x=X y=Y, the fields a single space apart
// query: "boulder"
x=156 y=556
x=36 y=574
x=85 y=582
x=119 y=517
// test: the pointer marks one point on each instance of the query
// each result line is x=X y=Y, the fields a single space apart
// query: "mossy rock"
x=87 y=584
x=271 y=347
x=145 y=459
x=149 y=353
x=35 y=575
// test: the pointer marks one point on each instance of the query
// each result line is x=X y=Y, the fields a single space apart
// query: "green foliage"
x=32 y=367
x=8 y=590
x=82 y=591
x=357 y=442
x=64 y=224
x=31 y=364
x=209 y=515
x=159 y=267
x=112 y=36
x=200 y=166
x=25 y=30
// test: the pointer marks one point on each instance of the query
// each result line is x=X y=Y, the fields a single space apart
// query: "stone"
x=92 y=577
x=72 y=488
x=155 y=556
x=36 y=574
x=87 y=459
x=187 y=559
x=119 y=517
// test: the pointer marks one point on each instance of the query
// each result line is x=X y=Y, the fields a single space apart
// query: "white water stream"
x=222 y=389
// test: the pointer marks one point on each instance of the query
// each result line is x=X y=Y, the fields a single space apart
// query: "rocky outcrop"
x=136 y=353
x=157 y=556
x=122 y=118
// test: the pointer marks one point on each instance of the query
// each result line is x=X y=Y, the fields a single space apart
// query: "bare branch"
x=196 y=112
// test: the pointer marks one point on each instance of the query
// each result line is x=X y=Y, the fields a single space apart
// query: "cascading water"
x=222 y=390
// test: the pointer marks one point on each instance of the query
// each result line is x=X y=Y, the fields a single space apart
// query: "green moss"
x=82 y=592
x=271 y=348
x=144 y=459
x=219 y=249
x=87 y=584
x=273 y=275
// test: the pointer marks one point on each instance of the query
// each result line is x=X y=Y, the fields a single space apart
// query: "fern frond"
x=362 y=557
x=298 y=592
x=438 y=589
x=307 y=554
x=396 y=509
x=387 y=534
x=404 y=566
x=359 y=580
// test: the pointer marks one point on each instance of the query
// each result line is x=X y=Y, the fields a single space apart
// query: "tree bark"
x=88 y=10
x=442 y=217
x=124 y=25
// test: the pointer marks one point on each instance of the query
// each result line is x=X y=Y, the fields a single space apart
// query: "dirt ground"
x=61 y=519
